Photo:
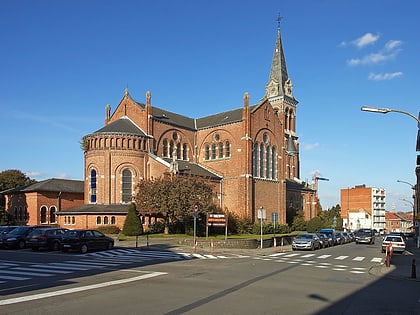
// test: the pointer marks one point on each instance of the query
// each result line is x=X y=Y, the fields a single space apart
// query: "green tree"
x=11 y=179
x=132 y=224
x=332 y=218
x=314 y=225
x=174 y=197
x=299 y=223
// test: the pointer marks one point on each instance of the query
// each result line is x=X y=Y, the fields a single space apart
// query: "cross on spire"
x=279 y=18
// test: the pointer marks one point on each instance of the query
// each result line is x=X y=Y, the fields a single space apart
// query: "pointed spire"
x=279 y=79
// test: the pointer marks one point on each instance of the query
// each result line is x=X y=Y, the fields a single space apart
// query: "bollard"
x=413 y=269
x=388 y=261
x=275 y=245
x=212 y=246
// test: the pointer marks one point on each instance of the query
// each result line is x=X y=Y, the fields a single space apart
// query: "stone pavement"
x=401 y=266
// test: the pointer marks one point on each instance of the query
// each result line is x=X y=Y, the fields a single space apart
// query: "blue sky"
x=63 y=61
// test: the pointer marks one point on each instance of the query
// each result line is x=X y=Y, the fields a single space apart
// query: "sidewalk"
x=401 y=266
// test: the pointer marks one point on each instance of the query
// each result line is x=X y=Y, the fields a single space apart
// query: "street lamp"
x=413 y=187
x=384 y=110
x=389 y=110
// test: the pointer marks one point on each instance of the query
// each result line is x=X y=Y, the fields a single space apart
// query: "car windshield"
x=304 y=236
x=18 y=231
x=72 y=233
x=396 y=239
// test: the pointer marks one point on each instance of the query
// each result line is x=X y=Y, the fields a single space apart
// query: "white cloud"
x=33 y=174
x=392 y=44
x=384 y=76
x=310 y=146
x=365 y=40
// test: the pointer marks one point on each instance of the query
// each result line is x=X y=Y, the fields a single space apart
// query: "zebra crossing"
x=16 y=271
x=319 y=261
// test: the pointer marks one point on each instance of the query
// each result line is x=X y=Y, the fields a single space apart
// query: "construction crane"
x=316 y=179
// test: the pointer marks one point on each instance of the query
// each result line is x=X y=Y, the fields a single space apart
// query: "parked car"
x=306 y=241
x=85 y=240
x=49 y=238
x=347 y=237
x=352 y=236
x=339 y=238
x=397 y=241
x=324 y=240
x=4 y=229
x=330 y=234
x=16 y=238
x=366 y=236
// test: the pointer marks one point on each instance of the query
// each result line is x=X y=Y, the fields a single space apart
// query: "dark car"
x=324 y=240
x=16 y=238
x=366 y=236
x=4 y=229
x=85 y=240
x=49 y=238
x=339 y=238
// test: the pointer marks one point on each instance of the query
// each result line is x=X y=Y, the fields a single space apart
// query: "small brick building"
x=39 y=203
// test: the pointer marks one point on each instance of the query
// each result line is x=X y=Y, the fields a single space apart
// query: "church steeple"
x=279 y=83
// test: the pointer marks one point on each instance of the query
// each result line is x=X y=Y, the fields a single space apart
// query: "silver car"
x=306 y=241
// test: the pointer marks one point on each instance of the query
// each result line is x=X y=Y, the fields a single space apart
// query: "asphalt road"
x=329 y=281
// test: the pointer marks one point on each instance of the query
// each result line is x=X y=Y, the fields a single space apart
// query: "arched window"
x=220 y=150
x=185 y=152
x=178 y=151
x=262 y=160
x=165 y=148
x=73 y=220
x=105 y=220
x=227 y=149
x=98 y=220
x=255 y=160
x=53 y=218
x=171 y=148
x=267 y=162
x=207 y=152
x=92 y=191
x=127 y=181
x=112 y=220
x=43 y=218
x=273 y=163
x=213 y=151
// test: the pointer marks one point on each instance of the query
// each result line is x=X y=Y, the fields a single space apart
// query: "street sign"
x=262 y=214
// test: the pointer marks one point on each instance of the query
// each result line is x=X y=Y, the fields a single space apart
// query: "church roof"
x=52 y=184
x=96 y=209
x=122 y=125
x=189 y=168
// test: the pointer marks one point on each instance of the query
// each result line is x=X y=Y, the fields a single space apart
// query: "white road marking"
x=308 y=255
x=341 y=257
x=376 y=259
x=79 y=289
x=359 y=258
x=323 y=256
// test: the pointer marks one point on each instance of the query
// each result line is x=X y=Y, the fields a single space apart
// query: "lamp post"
x=413 y=187
x=383 y=110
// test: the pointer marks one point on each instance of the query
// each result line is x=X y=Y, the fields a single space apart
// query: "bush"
x=132 y=224
x=109 y=229
x=314 y=225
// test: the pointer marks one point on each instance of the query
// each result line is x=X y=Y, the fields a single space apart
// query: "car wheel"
x=312 y=247
x=110 y=245
x=56 y=246
x=21 y=244
x=84 y=249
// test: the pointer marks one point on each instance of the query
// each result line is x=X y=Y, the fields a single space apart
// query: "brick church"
x=250 y=153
